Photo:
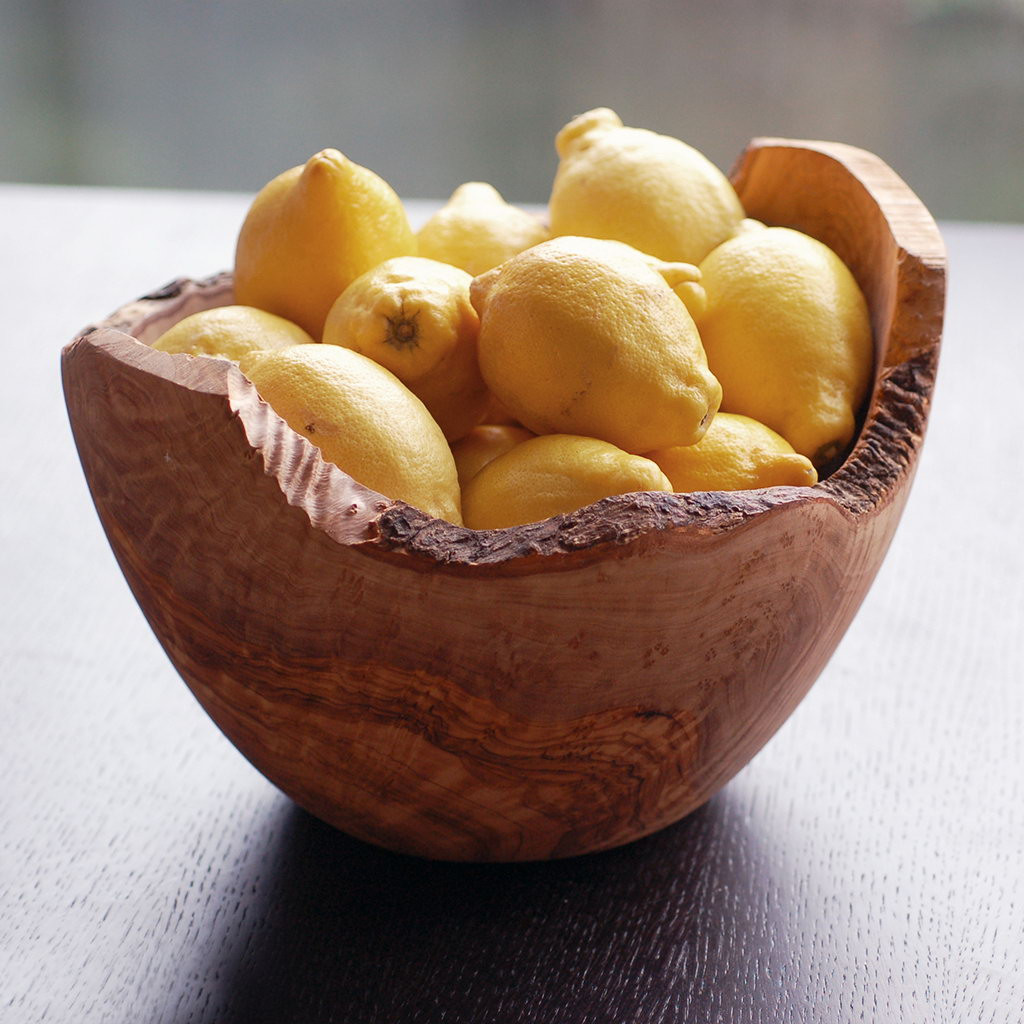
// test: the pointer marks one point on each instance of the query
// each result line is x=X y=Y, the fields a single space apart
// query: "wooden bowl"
x=516 y=694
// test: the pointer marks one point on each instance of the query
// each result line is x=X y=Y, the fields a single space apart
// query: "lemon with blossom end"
x=413 y=316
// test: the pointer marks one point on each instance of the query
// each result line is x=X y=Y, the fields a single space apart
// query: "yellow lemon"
x=413 y=316
x=476 y=229
x=497 y=413
x=736 y=453
x=547 y=476
x=363 y=419
x=787 y=332
x=312 y=231
x=652 y=191
x=230 y=332
x=585 y=336
x=684 y=280
x=483 y=444
x=750 y=224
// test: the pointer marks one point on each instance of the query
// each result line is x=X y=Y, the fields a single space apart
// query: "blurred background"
x=224 y=94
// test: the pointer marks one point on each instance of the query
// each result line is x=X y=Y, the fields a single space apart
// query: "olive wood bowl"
x=526 y=693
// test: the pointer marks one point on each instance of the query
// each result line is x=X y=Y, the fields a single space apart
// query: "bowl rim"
x=882 y=457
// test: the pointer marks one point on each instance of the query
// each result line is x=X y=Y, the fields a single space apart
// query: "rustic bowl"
x=515 y=694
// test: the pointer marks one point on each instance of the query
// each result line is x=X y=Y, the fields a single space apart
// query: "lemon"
x=684 y=279
x=497 y=413
x=363 y=419
x=750 y=224
x=550 y=475
x=652 y=191
x=736 y=453
x=230 y=332
x=585 y=336
x=476 y=229
x=787 y=332
x=312 y=231
x=483 y=444
x=413 y=316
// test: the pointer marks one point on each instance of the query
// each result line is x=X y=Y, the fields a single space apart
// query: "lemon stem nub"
x=403 y=332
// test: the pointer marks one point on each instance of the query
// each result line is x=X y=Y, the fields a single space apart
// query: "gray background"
x=224 y=95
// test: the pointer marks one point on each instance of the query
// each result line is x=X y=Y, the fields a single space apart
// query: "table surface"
x=868 y=865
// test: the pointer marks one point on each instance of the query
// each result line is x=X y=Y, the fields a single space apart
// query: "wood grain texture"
x=504 y=695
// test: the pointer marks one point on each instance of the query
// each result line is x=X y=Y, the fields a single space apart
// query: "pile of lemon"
x=497 y=368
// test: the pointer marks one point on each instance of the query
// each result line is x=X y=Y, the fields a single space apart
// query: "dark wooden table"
x=867 y=866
